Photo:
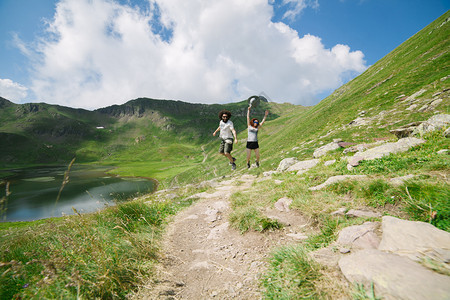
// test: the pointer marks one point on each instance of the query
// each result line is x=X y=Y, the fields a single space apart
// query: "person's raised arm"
x=248 y=115
x=264 y=119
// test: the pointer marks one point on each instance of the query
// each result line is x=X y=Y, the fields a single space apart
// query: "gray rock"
x=297 y=236
x=356 y=148
x=269 y=173
x=447 y=132
x=397 y=181
x=413 y=97
x=436 y=122
x=360 y=236
x=359 y=121
x=340 y=212
x=324 y=149
x=401 y=145
x=405 y=130
x=443 y=151
x=423 y=108
x=286 y=163
x=335 y=179
x=283 y=204
x=414 y=239
x=394 y=276
x=436 y=102
x=362 y=213
x=329 y=162
x=402 y=132
x=412 y=107
x=303 y=165
x=326 y=256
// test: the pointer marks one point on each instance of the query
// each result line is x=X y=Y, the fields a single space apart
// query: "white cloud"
x=297 y=6
x=12 y=91
x=98 y=53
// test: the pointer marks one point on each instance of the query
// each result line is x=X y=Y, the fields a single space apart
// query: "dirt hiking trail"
x=204 y=258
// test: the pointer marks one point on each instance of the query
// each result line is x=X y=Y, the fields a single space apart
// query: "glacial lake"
x=34 y=191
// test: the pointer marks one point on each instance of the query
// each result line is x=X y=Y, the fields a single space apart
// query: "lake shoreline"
x=33 y=192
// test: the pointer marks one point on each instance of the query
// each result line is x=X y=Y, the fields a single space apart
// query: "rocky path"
x=203 y=257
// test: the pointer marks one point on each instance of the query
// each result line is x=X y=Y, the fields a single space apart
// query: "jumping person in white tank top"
x=252 y=140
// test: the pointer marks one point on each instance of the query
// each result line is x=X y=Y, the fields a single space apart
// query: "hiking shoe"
x=257 y=164
x=233 y=166
x=234 y=159
x=248 y=165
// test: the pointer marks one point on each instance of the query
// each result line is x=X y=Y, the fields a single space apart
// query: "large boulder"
x=286 y=163
x=321 y=151
x=360 y=236
x=401 y=145
x=436 y=122
x=394 y=276
x=415 y=240
x=303 y=165
x=396 y=268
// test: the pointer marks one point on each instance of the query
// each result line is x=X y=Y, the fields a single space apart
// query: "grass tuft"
x=428 y=202
x=292 y=275
x=250 y=218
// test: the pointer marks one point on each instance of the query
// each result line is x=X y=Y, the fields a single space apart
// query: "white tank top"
x=252 y=134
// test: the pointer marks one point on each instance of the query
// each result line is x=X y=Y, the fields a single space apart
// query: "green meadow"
x=109 y=254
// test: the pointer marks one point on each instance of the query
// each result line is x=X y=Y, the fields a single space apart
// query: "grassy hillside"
x=109 y=254
x=420 y=63
x=143 y=137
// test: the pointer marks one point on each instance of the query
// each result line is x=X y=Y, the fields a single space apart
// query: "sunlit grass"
x=106 y=255
x=292 y=275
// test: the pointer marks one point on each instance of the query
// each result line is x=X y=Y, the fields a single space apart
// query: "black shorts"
x=252 y=145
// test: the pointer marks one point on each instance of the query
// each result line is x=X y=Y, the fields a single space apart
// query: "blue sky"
x=96 y=53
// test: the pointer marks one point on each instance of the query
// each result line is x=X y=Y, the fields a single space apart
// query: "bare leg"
x=257 y=154
x=249 y=153
x=228 y=155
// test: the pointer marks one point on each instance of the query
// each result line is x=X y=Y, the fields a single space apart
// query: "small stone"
x=283 y=204
x=297 y=236
x=329 y=162
x=344 y=250
x=340 y=212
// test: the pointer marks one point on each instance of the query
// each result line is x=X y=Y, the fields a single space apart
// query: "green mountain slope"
x=420 y=64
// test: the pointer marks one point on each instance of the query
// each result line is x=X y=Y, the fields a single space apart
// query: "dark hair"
x=253 y=120
x=226 y=112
